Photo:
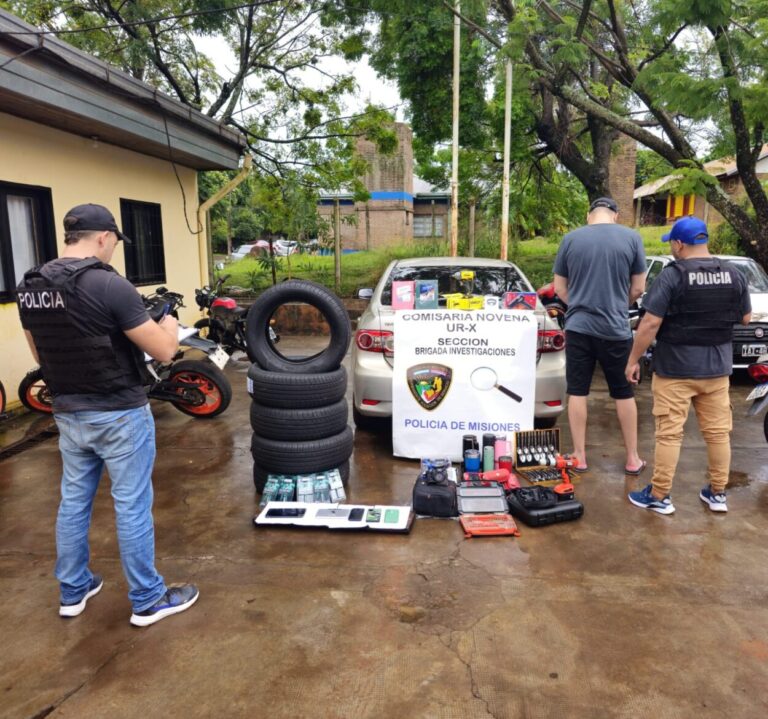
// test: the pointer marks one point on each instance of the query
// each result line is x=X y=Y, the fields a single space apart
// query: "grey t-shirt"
x=598 y=261
x=109 y=301
x=689 y=361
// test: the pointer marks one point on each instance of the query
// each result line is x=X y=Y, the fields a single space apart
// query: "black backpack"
x=434 y=495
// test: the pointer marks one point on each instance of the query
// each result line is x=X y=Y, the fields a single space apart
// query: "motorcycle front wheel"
x=210 y=389
x=34 y=393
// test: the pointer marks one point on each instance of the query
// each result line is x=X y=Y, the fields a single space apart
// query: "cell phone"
x=373 y=516
x=286 y=512
x=334 y=512
x=356 y=515
x=391 y=516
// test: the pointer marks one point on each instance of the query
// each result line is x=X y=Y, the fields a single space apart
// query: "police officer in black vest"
x=690 y=310
x=88 y=328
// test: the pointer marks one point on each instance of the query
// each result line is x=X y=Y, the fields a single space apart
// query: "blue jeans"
x=124 y=441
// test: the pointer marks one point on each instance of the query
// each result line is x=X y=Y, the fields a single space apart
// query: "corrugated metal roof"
x=724 y=167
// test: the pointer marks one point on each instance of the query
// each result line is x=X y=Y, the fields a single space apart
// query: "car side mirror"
x=365 y=293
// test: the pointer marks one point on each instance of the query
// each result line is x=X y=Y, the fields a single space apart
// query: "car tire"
x=544 y=422
x=296 y=391
x=301 y=457
x=299 y=424
x=263 y=352
x=260 y=475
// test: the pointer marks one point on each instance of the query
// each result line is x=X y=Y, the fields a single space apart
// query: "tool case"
x=539 y=506
x=534 y=455
x=488 y=525
x=480 y=500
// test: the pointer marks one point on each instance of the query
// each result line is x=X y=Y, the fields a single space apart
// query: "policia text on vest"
x=42 y=299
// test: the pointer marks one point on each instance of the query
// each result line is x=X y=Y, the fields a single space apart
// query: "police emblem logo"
x=429 y=383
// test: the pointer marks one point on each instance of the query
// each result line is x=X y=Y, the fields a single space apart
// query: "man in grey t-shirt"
x=599 y=272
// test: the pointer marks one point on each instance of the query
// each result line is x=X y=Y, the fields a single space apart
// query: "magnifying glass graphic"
x=484 y=379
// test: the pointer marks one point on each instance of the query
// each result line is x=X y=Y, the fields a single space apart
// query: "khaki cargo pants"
x=672 y=399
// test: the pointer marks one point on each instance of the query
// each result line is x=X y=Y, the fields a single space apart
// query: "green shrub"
x=535 y=258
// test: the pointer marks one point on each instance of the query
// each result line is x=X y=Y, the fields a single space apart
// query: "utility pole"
x=367 y=227
x=505 y=177
x=471 y=251
x=337 y=245
x=455 y=159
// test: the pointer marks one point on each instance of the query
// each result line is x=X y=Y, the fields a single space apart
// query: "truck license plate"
x=219 y=357
x=753 y=350
x=760 y=391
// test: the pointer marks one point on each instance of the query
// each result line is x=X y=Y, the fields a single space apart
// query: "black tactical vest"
x=74 y=359
x=706 y=304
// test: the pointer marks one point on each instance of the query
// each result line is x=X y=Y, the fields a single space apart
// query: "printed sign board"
x=459 y=372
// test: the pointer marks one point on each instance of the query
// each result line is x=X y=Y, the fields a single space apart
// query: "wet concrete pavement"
x=622 y=614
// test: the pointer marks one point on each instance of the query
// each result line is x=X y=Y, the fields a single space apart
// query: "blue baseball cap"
x=690 y=230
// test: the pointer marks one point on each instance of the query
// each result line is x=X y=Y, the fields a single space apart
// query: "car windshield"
x=755 y=275
x=488 y=280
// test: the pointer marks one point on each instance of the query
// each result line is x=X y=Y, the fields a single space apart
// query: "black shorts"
x=581 y=353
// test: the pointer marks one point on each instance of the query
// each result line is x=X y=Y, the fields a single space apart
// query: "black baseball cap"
x=606 y=202
x=85 y=218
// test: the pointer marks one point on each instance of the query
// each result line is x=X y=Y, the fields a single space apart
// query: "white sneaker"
x=72 y=610
x=717 y=501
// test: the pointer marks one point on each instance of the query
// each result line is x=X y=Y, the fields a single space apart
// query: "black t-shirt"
x=109 y=302
x=689 y=361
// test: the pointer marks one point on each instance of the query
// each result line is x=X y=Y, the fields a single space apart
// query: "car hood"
x=759 y=306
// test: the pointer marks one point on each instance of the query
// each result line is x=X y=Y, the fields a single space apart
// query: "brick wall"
x=622 y=177
x=390 y=172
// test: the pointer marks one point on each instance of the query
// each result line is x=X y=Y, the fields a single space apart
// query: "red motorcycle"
x=225 y=323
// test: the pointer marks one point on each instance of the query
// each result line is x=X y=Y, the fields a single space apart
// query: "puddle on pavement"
x=738 y=479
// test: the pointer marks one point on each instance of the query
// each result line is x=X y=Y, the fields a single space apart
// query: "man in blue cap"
x=690 y=310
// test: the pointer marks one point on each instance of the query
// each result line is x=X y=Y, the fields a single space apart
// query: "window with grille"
x=422 y=226
x=145 y=256
x=27 y=236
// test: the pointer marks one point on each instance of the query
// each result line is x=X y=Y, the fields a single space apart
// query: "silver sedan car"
x=373 y=348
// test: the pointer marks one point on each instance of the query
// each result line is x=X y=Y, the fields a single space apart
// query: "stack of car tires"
x=299 y=412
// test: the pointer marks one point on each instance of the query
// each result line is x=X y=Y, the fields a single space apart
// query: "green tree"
x=680 y=64
x=414 y=47
x=276 y=90
x=661 y=72
x=650 y=166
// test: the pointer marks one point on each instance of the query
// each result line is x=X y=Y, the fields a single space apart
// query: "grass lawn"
x=363 y=269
